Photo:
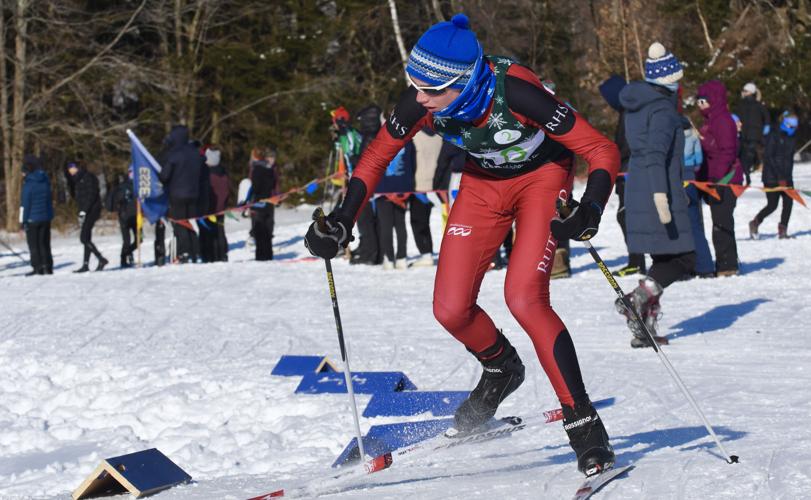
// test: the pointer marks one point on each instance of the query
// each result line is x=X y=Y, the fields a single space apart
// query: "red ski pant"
x=482 y=214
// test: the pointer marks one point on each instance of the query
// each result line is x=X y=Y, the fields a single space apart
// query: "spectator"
x=610 y=90
x=182 y=166
x=754 y=117
x=265 y=184
x=216 y=247
x=121 y=199
x=36 y=213
x=427 y=145
x=719 y=143
x=705 y=267
x=391 y=207
x=778 y=167
x=346 y=144
x=368 y=250
x=85 y=189
x=656 y=208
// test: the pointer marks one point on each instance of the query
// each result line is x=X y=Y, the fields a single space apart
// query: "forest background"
x=244 y=73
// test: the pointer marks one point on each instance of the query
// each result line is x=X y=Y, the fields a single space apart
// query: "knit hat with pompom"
x=662 y=67
x=447 y=50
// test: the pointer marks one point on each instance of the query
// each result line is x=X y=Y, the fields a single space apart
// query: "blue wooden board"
x=394 y=404
x=149 y=470
x=294 y=366
x=384 y=438
x=362 y=383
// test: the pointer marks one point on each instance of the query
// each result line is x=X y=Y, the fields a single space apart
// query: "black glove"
x=577 y=221
x=327 y=236
x=82 y=217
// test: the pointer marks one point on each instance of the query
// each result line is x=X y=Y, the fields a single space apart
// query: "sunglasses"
x=437 y=90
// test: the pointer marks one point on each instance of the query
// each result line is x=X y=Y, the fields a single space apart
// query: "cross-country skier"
x=520 y=140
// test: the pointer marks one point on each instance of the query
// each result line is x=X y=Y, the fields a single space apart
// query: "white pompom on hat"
x=662 y=67
x=212 y=157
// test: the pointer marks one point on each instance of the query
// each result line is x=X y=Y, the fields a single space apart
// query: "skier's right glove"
x=328 y=235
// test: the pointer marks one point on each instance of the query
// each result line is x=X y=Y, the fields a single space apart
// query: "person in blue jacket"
x=36 y=213
x=655 y=203
x=693 y=156
x=390 y=204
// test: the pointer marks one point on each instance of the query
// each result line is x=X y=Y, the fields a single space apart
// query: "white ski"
x=594 y=483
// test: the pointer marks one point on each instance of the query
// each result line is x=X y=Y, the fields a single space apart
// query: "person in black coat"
x=368 y=250
x=36 y=213
x=265 y=182
x=121 y=200
x=754 y=117
x=778 y=171
x=182 y=167
x=85 y=189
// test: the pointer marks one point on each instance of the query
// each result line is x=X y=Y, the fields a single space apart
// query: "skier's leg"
x=527 y=295
x=474 y=232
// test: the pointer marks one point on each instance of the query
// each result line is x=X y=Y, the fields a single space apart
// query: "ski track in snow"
x=179 y=358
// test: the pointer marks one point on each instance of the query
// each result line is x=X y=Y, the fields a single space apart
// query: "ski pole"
x=627 y=303
x=318 y=217
x=13 y=251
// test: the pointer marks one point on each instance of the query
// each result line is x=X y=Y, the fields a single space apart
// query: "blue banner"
x=154 y=200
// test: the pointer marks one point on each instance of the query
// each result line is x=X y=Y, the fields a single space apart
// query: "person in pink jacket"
x=719 y=142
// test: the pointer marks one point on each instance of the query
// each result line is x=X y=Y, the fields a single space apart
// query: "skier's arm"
x=526 y=97
x=407 y=118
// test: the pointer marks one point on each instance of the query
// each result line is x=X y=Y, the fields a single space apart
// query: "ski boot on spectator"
x=645 y=301
x=753 y=227
x=502 y=374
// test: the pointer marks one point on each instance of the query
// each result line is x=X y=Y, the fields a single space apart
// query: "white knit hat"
x=750 y=88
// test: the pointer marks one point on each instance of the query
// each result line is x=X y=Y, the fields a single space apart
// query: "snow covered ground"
x=179 y=358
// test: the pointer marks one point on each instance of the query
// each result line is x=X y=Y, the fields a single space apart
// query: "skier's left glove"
x=577 y=221
x=328 y=235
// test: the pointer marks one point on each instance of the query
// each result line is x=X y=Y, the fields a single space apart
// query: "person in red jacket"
x=519 y=139
x=216 y=243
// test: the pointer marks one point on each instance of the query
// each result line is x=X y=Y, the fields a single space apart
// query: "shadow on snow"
x=717 y=318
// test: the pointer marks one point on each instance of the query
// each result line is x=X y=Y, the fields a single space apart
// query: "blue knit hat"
x=447 y=50
x=662 y=67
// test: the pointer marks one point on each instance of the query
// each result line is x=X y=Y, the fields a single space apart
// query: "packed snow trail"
x=179 y=358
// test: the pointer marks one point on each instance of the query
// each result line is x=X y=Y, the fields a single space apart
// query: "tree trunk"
x=398 y=36
x=6 y=131
x=14 y=177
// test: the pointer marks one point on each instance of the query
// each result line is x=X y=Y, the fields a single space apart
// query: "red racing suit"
x=492 y=195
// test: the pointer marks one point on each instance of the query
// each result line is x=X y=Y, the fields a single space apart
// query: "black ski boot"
x=503 y=373
x=588 y=438
x=82 y=269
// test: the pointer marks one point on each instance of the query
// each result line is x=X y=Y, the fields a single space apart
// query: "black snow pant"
x=749 y=158
x=668 y=268
x=634 y=259
x=160 y=243
x=421 y=225
x=368 y=250
x=391 y=217
x=263 y=222
x=208 y=237
x=220 y=241
x=129 y=239
x=86 y=236
x=772 y=200
x=38 y=235
x=184 y=209
x=723 y=229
